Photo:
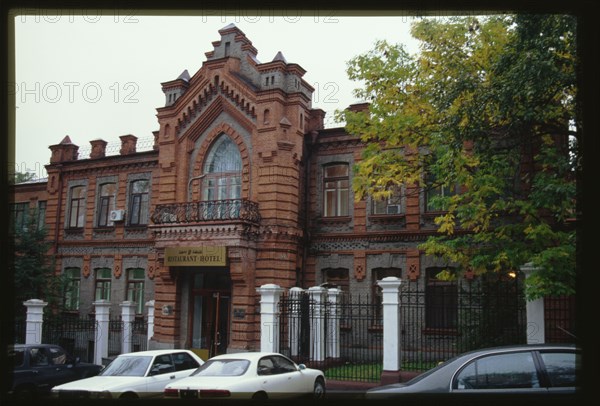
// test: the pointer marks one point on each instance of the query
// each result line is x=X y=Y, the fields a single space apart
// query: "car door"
x=162 y=372
x=45 y=373
x=280 y=377
x=63 y=366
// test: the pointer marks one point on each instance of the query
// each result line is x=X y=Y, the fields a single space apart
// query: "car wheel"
x=129 y=395
x=260 y=396
x=25 y=393
x=319 y=389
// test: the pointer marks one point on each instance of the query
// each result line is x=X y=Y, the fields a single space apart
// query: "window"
x=223 y=180
x=41 y=214
x=390 y=206
x=562 y=368
x=379 y=274
x=139 y=202
x=183 y=361
x=336 y=190
x=38 y=357
x=77 y=207
x=223 y=170
x=337 y=277
x=135 y=288
x=73 y=282
x=20 y=214
x=502 y=371
x=106 y=204
x=435 y=194
x=162 y=364
x=103 y=278
x=57 y=355
x=441 y=298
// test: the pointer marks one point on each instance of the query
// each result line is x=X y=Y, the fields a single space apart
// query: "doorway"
x=210 y=304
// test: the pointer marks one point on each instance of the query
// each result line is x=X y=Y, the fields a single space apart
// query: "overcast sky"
x=99 y=76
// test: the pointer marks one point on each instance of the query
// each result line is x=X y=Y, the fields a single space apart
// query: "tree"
x=489 y=104
x=20 y=177
x=33 y=268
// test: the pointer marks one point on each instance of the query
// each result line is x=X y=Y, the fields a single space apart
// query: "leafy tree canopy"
x=32 y=266
x=489 y=104
x=20 y=177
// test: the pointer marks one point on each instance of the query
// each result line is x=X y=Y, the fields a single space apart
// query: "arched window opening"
x=222 y=170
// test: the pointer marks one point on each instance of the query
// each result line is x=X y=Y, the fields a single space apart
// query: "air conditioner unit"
x=393 y=209
x=117 y=215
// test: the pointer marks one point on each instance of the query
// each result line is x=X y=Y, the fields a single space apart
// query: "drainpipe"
x=308 y=153
x=189 y=190
x=58 y=211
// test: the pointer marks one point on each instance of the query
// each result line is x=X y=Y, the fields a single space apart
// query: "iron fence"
x=559 y=319
x=336 y=336
x=76 y=335
x=438 y=320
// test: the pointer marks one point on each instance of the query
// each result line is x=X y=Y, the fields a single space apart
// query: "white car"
x=249 y=375
x=133 y=375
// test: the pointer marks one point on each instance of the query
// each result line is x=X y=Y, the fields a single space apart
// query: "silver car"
x=512 y=370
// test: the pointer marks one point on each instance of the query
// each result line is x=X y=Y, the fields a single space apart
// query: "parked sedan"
x=39 y=367
x=134 y=375
x=249 y=375
x=513 y=370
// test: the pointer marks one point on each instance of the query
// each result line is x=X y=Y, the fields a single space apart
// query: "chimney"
x=317 y=118
x=63 y=152
x=359 y=107
x=98 y=149
x=128 y=143
x=155 y=146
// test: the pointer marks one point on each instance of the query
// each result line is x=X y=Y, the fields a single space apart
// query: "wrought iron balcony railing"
x=211 y=210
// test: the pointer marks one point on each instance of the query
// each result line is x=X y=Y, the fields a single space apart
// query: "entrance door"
x=209 y=314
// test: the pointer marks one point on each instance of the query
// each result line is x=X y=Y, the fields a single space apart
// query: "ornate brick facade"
x=268 y=204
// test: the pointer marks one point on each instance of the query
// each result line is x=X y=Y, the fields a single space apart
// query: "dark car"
x=511 y=370
x=39 y=367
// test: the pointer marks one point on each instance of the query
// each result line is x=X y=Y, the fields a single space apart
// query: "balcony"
x=207 y=211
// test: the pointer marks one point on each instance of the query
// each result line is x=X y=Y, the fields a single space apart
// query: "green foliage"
x=20 y=177
x=488 y=104
x=33 y=268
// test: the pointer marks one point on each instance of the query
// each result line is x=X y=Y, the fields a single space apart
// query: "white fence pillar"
x=392 y=344
x=102 y=325
x=295 y=298
x=317 y=324
x=333 y=323
x=150 y=312
x=35 y=320
x=269 y=317
x=127 y=317
x=534 y=310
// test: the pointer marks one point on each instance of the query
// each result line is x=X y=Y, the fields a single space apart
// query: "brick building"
x=243 y=187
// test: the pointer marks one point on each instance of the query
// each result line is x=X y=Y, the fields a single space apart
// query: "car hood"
x=100 y=383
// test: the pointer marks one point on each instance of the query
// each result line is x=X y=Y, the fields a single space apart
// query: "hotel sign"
x=196 y=256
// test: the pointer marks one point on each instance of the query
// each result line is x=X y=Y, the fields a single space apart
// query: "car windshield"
x=223 y=367
x=127 y=366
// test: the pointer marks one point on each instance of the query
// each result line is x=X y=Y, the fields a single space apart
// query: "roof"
x=153 y=352
x=251 y=355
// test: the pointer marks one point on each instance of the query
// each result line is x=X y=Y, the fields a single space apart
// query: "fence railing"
x=96 y=339
x=212 y=210
x=437 y=321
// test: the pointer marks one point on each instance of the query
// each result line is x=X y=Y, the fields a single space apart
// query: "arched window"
x=223 y=171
